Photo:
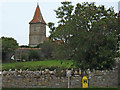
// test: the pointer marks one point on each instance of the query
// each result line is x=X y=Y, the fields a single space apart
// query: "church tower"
x=37 y=29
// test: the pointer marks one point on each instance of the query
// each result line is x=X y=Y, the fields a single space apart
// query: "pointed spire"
x=37 y=16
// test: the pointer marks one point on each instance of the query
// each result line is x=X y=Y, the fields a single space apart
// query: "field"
x=37 y=65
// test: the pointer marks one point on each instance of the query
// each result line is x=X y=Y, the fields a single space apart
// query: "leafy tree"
x=9 y=45
x=47 y=49
x=60 y=52
x=89 y=33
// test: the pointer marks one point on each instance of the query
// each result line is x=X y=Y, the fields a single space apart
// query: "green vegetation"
x=89 y=34
x=47 y=49
x=34 y=55
x=37 y=65
x=9 y=45
x=24 y=56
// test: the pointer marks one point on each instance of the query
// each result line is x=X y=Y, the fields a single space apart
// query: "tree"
x=89 y=33
x=47 y=49
x=9 y=45
x=60 y=53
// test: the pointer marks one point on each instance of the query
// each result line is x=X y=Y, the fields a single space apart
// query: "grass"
x=37 y=65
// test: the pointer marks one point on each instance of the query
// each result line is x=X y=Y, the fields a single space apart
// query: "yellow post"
x=84 y=82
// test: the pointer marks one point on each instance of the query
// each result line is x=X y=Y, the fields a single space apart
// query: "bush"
x=24 y=46
x=34 y=55
x=24 y=56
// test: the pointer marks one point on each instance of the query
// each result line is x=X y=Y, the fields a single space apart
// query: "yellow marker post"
x=84 y=82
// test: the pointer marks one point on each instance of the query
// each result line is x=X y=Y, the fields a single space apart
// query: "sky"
x=15 y=15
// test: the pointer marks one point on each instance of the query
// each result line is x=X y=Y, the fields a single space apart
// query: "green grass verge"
x=37 y=65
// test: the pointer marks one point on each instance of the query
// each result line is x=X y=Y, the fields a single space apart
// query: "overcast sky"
x=15 y=15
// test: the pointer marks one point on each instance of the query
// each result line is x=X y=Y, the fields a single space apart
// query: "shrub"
x=24 y=56
x=34 y=55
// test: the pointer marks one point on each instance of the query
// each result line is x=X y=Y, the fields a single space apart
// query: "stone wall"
x=50 y=79
x=18 y=53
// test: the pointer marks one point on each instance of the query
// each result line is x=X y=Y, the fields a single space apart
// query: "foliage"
x=60 y=52
x=9 y=45
x=47 y=49
x=24 y=56
x=24 y=46
x=89 y=33
x=34 y=55
x=38 y=65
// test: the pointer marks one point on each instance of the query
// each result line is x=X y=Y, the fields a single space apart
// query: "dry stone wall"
x=50 y=79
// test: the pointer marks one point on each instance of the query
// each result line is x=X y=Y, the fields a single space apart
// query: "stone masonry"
x=37 y=33
x=42 y=79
